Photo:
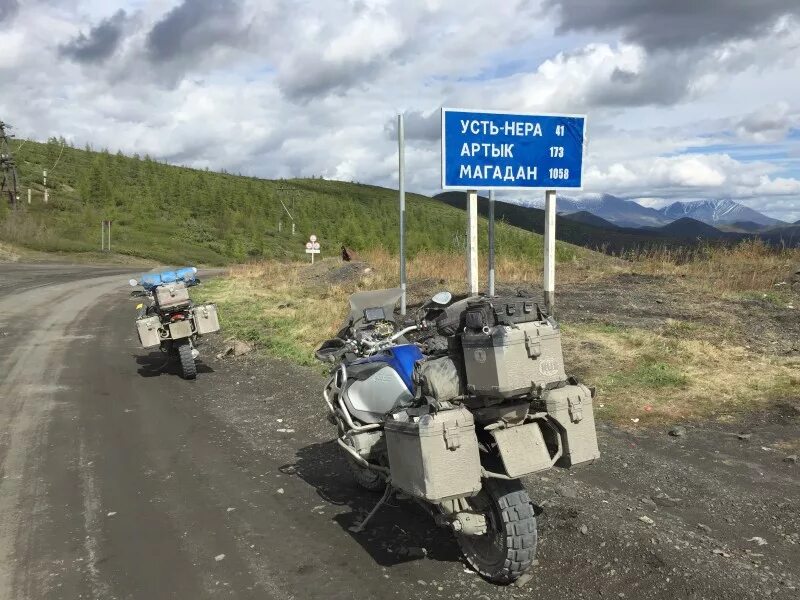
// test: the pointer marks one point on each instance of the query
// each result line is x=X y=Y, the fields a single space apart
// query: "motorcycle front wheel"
x=188 y=366
x=366 y=478
x=508 y=548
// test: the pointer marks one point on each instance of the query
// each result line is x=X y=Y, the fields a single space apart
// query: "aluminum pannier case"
x=149 y=331
x=205 y=318
x=571 y=409
x=511 y=360
x=435 y=457
x=172 y=295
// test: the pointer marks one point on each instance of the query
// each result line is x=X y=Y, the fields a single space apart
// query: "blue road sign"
x=498 y=150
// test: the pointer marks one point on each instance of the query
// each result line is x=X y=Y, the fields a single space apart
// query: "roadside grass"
x=656 y=376
x=287 y=309
x=746 y=267
x=679 y=370
x=779 y=297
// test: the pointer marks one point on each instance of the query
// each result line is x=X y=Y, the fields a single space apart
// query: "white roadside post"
x=44 y=180
x=491 y=243
x=472 y=241
x=312 y=247
x=401 y=175
x=549 y=250
x=29 y=195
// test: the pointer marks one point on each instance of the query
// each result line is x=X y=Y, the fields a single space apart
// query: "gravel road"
x=120 y=480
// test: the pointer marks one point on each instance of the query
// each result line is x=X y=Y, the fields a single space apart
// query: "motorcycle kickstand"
x=387 y=493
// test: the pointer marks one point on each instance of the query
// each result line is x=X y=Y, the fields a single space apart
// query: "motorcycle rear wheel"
x=188 y=366
x=508 y=548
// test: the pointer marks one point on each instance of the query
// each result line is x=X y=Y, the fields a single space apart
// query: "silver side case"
x=148 y=329
x=205 y=318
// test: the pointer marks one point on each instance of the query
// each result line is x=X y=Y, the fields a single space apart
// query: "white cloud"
x=303 y=87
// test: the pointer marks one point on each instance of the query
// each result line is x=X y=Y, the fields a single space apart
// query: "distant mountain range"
x=624 y=213
x=585 y=228
x=627 y=213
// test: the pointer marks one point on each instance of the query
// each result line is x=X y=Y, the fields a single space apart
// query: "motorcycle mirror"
x=195 y=270
x=442 y=298
x=133 y=282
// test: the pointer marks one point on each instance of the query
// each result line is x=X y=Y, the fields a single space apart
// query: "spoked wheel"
x=367 y=479
x=188 y=367
x=508 y=548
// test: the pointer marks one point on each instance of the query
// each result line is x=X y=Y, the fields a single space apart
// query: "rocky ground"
x=705 y=511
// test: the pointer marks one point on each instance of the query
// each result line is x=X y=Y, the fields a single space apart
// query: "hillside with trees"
x=176 y=214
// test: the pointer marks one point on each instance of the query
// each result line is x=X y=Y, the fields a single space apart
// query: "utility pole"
x=8 y=169
x=291 y=218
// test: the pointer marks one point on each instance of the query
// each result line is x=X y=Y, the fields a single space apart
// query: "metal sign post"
x=472 y=241
x=549 y=282
x=312 y=247
x=401 y=175
x=498 y=150
x=491 y=243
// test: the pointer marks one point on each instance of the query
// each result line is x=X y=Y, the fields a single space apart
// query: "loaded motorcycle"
x=169 y=319
x=457 y=416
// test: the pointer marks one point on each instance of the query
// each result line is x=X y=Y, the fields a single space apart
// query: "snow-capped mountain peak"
x=717 y=212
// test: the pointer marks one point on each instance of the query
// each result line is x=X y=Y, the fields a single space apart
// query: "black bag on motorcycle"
x=477 y=312
x=511 y=310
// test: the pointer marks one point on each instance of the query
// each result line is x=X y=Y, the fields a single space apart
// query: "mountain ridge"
x=629 y=213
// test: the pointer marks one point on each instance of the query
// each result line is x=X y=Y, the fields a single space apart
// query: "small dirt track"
x=120 y=480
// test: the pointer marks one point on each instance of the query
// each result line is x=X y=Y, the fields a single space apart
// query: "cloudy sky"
x=686 y=99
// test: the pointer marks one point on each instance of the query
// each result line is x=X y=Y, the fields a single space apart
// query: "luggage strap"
x=575 y=404
x=533 y=346
x=452 y=436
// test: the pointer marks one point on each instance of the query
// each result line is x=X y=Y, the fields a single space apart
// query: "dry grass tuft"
x=749 y=266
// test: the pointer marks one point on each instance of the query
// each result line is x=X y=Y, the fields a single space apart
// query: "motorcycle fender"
x=522 y=449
